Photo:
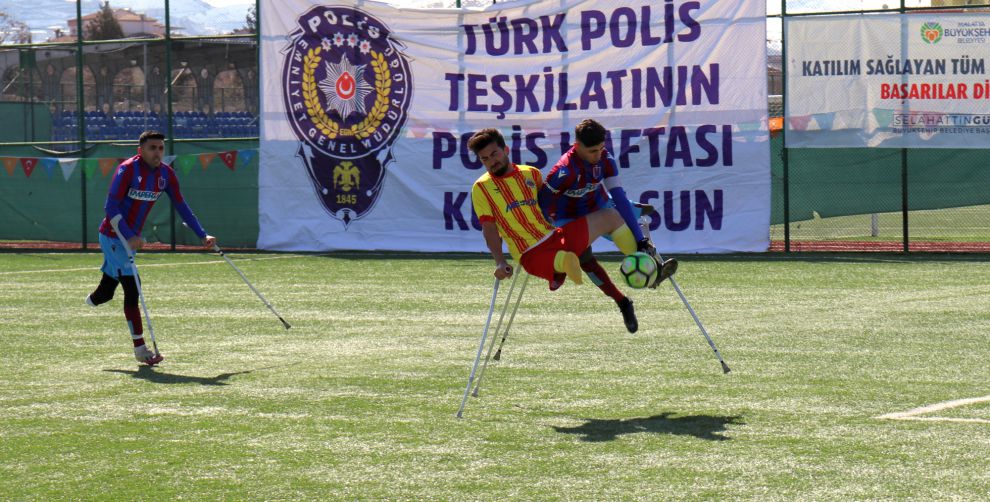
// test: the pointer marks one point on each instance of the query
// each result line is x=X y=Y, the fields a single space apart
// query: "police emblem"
x=346 y=87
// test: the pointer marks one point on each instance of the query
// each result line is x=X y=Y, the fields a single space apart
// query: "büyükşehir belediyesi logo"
x=931 y=32
x=347 y=87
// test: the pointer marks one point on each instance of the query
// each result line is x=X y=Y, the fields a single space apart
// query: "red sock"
x=601 y=279
x=133 y=316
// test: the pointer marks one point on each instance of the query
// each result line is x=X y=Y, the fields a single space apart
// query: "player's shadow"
x=709 y=427
x=152 y=375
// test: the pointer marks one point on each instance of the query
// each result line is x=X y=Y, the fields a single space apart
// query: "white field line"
x=942 y=419
x=149 y=265
x=932 y=408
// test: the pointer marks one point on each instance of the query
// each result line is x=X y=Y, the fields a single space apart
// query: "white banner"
x=888 y=80
x=367 y=108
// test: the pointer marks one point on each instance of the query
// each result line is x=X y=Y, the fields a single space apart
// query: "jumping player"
x=137 y=183
x=586 y=180
x=505 y=200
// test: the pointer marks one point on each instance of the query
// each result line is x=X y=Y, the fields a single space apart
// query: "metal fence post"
x=80 y=110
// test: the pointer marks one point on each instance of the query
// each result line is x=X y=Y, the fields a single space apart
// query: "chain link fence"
x=876 y=199
x=71 y=105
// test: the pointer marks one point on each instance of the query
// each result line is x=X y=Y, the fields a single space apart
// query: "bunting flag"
x=884 y=117
x=89 y=167
x=10 y=163
x=751 y=130
x=185 y=163
x=206 y=158
x=799 y=123
x=825 y=120
x=49 y=164
x=246 y=156
x=229 y=159
x=107 y=165
x=68 y=167
x=29 y=163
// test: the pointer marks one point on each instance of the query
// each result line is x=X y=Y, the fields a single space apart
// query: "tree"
x=12 y=30
x=250 y=21
x=105 y=25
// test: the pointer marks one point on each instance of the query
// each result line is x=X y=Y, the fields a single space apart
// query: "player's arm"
x=552 y=188
x=115 y=199
x=489 y=230
x=620 y=199
x=494 y=242
x=174 y=193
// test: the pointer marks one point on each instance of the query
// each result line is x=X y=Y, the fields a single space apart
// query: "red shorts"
x=571 y=237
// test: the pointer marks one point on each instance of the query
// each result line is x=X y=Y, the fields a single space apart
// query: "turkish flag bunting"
x=229 y=159
x=29 y=164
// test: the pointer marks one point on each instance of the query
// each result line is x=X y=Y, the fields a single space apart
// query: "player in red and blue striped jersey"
x=137 y=184
x=586 y=180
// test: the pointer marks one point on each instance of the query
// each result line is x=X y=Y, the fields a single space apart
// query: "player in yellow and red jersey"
x=505 y=200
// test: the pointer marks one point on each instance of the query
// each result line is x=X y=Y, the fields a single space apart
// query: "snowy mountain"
x=188 y=17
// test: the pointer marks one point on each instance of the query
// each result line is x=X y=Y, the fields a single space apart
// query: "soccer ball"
x=639 y=269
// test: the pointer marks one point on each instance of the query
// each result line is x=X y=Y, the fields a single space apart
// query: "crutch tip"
x=725 y=367
x=475 y=393
x=459 y=415
x=498 y=355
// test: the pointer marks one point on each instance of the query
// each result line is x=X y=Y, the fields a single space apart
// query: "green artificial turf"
x=357 y=400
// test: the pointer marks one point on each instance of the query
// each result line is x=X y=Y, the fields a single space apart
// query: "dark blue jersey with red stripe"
x=134 y=189
x=575 y=188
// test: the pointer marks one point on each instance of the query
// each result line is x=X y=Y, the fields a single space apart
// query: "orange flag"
x=229 y=159
x=29 y=164
x=107 y=165
x=10 y=163
x=206 y=158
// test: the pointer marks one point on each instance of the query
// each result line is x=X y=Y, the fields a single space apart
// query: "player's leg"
x=667 y=267
x=600 y=278
x=111 y=268
x=103 y=292
x=549 y=259
x=116 y=264
x=609 y=221
x=577 y=239
x=132 y=312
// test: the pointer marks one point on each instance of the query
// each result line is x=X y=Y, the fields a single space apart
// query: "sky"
x=229 y=3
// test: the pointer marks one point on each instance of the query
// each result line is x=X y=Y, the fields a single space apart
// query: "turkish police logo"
x=346 y=88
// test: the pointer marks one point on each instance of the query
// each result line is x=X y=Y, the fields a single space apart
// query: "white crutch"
x=481 y=346
x=115 y=222
x=498 y=325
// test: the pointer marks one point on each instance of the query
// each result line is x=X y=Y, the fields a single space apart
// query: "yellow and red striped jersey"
x=510 y=202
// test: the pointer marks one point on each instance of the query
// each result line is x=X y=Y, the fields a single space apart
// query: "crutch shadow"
x=152 y=375
x=708 y=427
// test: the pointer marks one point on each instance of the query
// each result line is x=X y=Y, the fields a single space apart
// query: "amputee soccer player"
x=505 y=200
x=586 y=180
x=137 y=184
